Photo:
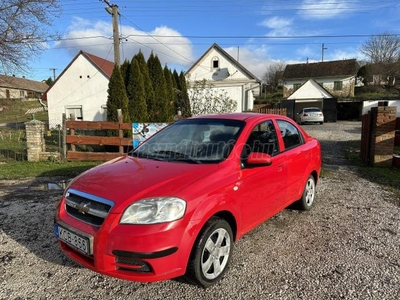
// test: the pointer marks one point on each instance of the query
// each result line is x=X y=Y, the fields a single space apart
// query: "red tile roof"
x=104 y=65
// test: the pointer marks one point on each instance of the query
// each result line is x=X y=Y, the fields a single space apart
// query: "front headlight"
x=154 y=210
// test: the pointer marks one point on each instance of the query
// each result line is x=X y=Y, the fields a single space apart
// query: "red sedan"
x=176 y=204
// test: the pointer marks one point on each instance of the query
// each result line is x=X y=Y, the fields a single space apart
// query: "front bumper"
x=143 y=253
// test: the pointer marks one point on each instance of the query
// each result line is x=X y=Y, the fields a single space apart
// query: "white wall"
x=374 y=103
x=81 y=85
x=205 y=70
x=238 y=85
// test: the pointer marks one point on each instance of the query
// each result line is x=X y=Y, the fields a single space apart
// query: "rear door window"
x=290 y=134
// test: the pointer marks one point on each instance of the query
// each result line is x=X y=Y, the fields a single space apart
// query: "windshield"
x=192 y=141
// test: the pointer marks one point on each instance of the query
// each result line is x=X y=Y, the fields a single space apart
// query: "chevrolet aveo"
x=176 y=204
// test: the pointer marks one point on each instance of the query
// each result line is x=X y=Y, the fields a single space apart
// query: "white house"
x=226 y=75
x=81 y=89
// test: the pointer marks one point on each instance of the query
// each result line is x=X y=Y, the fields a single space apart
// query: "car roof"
x=237 y=116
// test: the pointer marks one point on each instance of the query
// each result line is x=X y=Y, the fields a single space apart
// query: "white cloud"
x=324 y=9
x=254 y=59
x=279 y=26
x=96 y=38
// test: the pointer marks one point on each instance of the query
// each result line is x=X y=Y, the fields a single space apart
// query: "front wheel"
x=307 y=199
x=211 y=253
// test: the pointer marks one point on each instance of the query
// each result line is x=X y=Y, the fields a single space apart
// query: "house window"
x=75 y=110
x=21 y=94
x=215 y=63
x=296 y=86
x=337 y=85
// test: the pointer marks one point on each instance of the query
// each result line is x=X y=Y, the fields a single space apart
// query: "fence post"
x=120 y=131
x=383 y=134
x=64 y=139
x=34 y=139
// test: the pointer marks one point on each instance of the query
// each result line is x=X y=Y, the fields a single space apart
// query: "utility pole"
x=112 y=9
x=323 y=48
x=54 y=73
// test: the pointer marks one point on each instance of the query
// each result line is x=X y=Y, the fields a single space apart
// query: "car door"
x=297 y=155
x=262 y=189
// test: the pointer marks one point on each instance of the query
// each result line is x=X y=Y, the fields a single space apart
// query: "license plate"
x=78 y=242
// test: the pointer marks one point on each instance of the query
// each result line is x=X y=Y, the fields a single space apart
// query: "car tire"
x=321 y=123
x=211 y=253
x=308 y=197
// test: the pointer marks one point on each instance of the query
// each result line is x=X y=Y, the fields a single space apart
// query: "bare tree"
x=24 y=28
x=273 y=75
x=205 y=99
x=383 y=52
x=384 y=48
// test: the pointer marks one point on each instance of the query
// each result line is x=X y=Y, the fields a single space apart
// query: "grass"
x=387 y=177
x=14 y=111
x=24 y=169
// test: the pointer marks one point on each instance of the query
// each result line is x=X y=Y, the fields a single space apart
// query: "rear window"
x=312 y=110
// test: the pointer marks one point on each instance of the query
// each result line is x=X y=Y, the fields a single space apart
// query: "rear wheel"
x=307 y=199
x=211 y=253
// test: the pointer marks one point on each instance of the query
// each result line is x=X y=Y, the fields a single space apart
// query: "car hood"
x=127 y=179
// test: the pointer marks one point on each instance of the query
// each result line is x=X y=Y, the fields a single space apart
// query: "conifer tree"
x=170 y=93
x=136 y=94
x=148 y=87
x=117 y=98
x=184 y=102
x=125 y=69
x=159 y=87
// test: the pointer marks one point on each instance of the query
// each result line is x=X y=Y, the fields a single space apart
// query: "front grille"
x=87 y=208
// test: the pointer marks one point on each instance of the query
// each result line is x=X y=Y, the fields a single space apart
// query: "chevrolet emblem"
x=83 y=207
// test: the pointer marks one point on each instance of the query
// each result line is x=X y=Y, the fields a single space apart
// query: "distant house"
x=323 y=85
x=81 y=90
x=312 y=94
x=226 y=75
x=337 y=77
x=12 y=87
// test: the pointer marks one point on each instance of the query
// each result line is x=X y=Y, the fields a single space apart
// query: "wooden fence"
x=72 y=140
x=275 y=111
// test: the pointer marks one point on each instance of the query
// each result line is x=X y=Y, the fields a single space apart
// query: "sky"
x=257 y=33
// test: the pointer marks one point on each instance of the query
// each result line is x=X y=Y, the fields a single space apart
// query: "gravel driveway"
x=346 y=247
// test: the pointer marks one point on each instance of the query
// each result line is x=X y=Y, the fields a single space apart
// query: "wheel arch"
x=315 y=175
x=230 y=218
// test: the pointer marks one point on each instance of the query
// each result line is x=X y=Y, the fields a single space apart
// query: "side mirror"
x=258 y=158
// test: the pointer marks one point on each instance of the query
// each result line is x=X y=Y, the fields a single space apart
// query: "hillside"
x=18 y=111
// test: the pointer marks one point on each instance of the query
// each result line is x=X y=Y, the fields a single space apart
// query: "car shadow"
x=27 y=216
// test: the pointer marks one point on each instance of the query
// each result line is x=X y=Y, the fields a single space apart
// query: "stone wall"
x=36 y=146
